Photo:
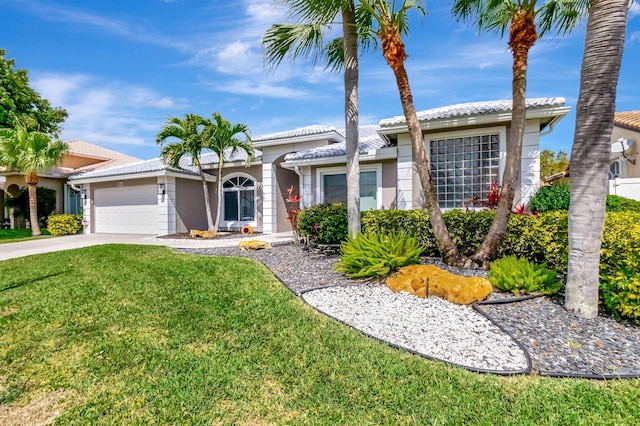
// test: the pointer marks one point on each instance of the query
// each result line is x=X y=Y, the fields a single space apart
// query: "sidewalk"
x=46 y=245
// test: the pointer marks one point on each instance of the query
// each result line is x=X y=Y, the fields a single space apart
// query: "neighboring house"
x=466 y=144
x=81 y=157
x=624 y=171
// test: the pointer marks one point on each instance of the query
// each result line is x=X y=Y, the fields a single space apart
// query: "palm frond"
x=488 y=15
x=561 y=16
x=184 y=136
x=294 y=41
x=313 y=10
x=223 y=138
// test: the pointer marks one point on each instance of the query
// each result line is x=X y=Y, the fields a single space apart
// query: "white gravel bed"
x=432 y=327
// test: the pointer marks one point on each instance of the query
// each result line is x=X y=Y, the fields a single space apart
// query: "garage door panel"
x=129 y=210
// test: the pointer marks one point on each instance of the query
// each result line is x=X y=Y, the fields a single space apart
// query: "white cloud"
x=238 y=58
x=246 y=87
x=107 y=113
x=634 y=10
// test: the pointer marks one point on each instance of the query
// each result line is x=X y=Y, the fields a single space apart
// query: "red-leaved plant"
x=492 y=198
x=521 y=209
x=293 y=204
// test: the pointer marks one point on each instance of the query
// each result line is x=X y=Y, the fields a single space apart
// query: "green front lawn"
x=143 y=335
x=14 y=235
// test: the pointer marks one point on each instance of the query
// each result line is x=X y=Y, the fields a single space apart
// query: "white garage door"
x=128 y=210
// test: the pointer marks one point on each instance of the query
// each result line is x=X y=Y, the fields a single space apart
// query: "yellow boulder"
x=254 y=245
x=454 y=288
x=202 y=234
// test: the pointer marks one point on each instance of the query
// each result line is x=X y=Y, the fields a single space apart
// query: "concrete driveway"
x=46 y=245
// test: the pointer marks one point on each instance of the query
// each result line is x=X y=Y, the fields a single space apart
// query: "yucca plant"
x=375 y=254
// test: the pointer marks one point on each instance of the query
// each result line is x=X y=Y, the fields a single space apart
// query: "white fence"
x=627 y=187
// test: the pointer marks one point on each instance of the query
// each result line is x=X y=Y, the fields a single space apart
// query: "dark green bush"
x=616 y=203
x=517 y=274
x=64 y=224
x=556 y=197
x=373 y=254
x=413 y=223
x=324 y=223
x=46 y=203
x=551 y=198
x=466 y=229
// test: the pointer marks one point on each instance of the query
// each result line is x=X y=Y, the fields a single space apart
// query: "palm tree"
x=223 y=141
x=392 y=22
x=523 y=18
x=604 y=44
x=306 y=39
x=29 y=152
x=191 y=139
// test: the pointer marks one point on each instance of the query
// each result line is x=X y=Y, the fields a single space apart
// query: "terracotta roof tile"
x=628 y=120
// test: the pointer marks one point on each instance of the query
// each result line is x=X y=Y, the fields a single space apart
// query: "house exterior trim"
x=209 y=178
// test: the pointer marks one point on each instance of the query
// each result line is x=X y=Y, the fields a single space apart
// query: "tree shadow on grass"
x=11 y=286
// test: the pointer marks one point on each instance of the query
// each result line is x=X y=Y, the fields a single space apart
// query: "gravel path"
x=559 y=344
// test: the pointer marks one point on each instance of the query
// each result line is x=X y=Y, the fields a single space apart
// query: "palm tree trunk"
x=604 y=44
x=351 y=116
x=446 y=245
x=207 y=203
x=33 y=209
x=511 y=176
x=219 y=195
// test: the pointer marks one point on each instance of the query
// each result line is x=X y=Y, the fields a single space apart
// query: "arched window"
x=239 y=199
x=614 y=170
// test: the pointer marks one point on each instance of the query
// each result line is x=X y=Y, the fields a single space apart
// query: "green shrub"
x=620 y=265
x=64 y=224
x=324 y=223
x=517 y=274
x=45 y=198
x=616 y=203
x=551 y=198
x=540 y=239
x=373 y=254
x=556 y=197
x=413 y=223
x=467 y=230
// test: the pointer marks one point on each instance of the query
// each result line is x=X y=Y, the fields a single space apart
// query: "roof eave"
x=332 y=136
x=480 y=119
x=627 y=126
x=387 y=153
x=158 y=173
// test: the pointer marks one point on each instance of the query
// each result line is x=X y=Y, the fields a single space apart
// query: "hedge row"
x=540 y=239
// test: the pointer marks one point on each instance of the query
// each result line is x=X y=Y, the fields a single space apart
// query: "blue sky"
x=121 y=67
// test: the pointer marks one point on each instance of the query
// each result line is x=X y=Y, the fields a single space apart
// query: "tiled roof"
x=628 y=120
x=296 y=133
x=83 y=149
x=156 y=165
x=472 y=108
x=148 y=166
x=369 y=140
x=211 y=158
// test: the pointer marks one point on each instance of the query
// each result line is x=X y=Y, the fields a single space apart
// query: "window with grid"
x=239 y=199
x=464 y=168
